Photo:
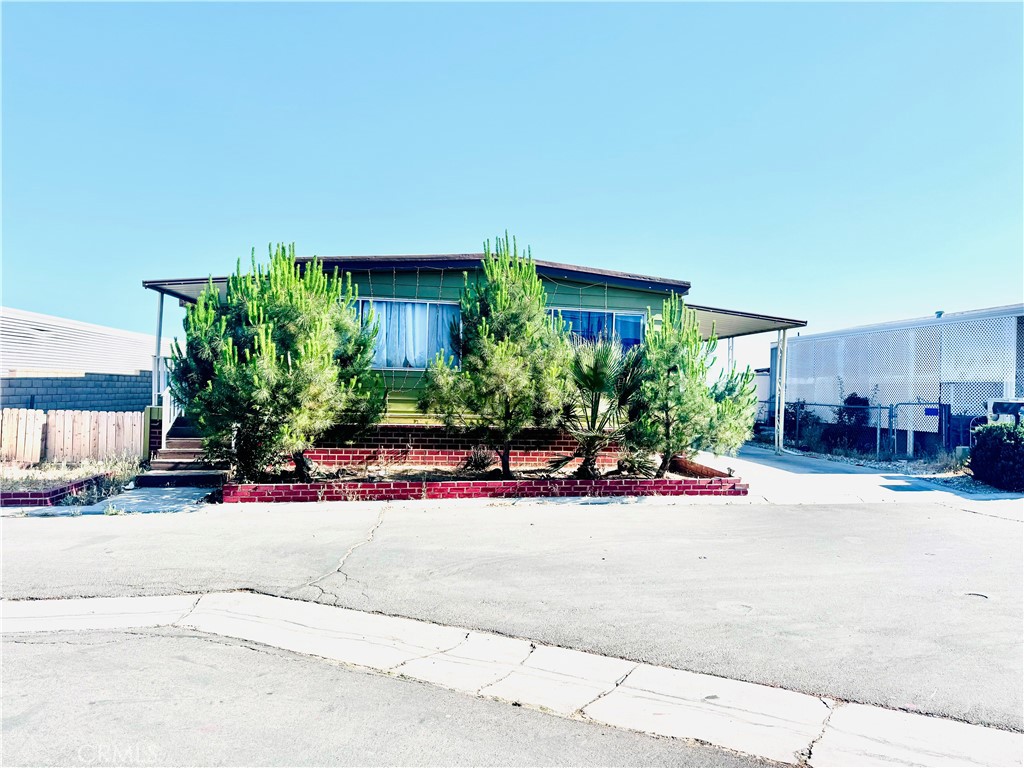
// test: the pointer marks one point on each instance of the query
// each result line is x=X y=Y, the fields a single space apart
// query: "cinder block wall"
x=83 y=392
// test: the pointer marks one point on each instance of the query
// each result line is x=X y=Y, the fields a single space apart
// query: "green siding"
x=405 y=387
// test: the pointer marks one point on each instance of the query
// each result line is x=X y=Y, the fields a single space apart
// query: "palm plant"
x=603 y=380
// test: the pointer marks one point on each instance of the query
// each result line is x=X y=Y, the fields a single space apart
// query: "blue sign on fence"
x=931 y=411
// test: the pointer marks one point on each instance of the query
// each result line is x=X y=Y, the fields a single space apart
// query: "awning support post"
x=157 y=361
x=780 y=393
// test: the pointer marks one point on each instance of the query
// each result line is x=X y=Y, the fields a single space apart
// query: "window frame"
x=613 y=312
x=408 y=301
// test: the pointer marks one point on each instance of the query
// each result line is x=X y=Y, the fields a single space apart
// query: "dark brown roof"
x=187 y=289
x=462 y=261
x=727 y=323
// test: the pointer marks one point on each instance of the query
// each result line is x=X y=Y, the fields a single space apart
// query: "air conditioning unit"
x=1005 y=410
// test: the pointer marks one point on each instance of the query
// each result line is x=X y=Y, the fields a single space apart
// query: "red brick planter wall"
x=155 y=437
x=431 y=446
x=484 y=489
x=44 y=498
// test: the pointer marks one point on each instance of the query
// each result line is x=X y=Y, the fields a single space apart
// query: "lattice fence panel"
x=960 y=364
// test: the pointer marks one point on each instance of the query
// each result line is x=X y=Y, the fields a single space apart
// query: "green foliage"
x=848 y=431
x=636 y=461
x=513 y=359
x=276 y=362
x=997 y=457
x=735 y=407
x=481 y=458
x=803 y=426
x=604 y=380
x=675 y=411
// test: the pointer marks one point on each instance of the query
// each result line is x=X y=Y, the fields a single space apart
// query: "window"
x=588 y=324
x=410 y=333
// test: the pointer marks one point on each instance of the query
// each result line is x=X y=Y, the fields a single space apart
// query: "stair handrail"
x=170 y=411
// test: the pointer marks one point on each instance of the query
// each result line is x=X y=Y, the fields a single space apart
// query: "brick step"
x=210 y=478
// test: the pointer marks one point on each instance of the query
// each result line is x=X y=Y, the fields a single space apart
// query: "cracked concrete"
x=805 y=756
x=504 y=677
x=620 y=681
x=176 y=698
x=340 y=567
x=766 y=722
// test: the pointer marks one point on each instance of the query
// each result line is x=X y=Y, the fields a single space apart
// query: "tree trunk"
x=587 y=470
x=666 y=458
x=506 y=456
x=303 y=466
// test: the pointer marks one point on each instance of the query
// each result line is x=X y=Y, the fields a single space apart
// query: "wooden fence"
x=27 y=436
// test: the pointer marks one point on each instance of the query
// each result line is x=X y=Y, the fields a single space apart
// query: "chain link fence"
x=899 y=429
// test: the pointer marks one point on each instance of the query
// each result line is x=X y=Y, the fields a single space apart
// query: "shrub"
x=480 y=458
x=848 y=431
x=278 y=361
x=997 y=457
x=734 y=396
x=512 y=368
x=636 y=462
x=675 y=411
x=604 y=379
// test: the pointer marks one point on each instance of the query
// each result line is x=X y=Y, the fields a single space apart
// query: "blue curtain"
x=442 y=324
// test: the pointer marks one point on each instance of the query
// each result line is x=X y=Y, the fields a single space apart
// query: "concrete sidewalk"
x=757 y=720
x=177 y=697
x=135 y=501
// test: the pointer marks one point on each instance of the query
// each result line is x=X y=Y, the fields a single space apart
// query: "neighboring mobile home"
x=930 y=378
x=416 y=297
x=52 y=363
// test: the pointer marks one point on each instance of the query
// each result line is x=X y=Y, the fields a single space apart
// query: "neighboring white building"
x=949 y=364
x=49 y=362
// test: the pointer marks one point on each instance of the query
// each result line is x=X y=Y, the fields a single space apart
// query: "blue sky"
x=842 y=164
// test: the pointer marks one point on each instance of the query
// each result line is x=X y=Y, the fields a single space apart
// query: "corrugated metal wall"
x=35 y=342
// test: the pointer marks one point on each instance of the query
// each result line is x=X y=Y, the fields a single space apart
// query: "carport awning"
x=727 y=323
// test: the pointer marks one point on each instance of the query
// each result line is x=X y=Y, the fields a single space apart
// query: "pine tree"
x=511 y=372
x=268 y=369
x=676 y=411
x=735 y=407
x=674 y=407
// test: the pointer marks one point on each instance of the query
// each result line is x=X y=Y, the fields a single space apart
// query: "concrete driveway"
x=914 y=605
